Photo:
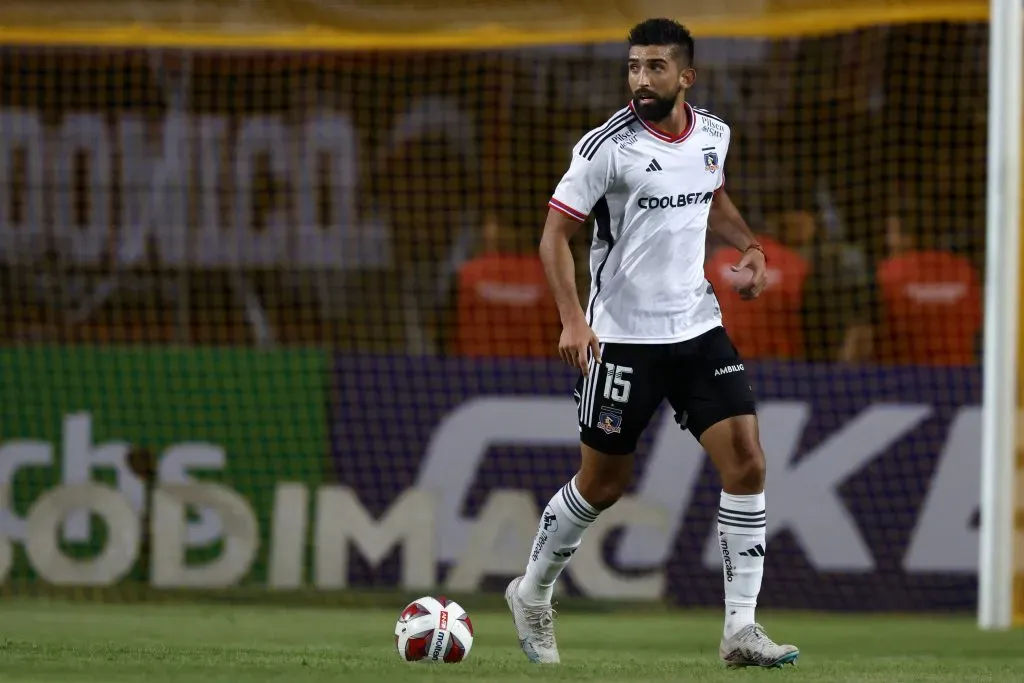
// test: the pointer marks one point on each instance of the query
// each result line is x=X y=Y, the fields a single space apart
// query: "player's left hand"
x=753 y=259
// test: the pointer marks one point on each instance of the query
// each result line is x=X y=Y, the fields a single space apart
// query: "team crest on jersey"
x=710 y=161
x=609 y=422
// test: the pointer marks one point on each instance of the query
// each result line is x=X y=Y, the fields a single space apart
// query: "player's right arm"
x=556 y=256
x=589 y=176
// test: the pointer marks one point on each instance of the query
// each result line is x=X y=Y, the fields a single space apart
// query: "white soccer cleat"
x=751 y=646
x=534 y=625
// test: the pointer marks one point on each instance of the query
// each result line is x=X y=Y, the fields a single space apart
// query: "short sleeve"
x=721 y=160
x=589 y=176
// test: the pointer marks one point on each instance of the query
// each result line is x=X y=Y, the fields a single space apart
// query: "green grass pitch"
x=43 y=641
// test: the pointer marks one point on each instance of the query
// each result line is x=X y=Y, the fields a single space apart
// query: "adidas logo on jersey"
x=654 y=166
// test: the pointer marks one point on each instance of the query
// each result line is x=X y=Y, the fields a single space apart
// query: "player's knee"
x=603 y=494
x=602 y=489
x=735 y=449
x=748 y=473
x=603 y=477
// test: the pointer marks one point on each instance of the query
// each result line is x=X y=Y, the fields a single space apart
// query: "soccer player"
x=652 y=175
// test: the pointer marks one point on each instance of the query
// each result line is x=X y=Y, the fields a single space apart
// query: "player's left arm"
x=726 y=221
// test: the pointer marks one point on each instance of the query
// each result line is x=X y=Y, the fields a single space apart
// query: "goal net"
x=273 y=320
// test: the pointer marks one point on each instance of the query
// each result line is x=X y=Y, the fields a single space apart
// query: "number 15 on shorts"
x=616 y=384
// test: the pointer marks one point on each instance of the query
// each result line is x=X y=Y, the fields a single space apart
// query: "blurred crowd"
x=858 y=159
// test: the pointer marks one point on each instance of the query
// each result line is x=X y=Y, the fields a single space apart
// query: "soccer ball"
x=434 y=630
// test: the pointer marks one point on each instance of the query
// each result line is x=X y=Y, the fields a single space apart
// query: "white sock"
x=741 y=534
x=560 y=531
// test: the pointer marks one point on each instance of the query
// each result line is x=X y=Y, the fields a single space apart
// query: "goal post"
x=1002 y=304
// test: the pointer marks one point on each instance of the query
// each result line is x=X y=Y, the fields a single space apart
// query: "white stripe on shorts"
x=592 y=382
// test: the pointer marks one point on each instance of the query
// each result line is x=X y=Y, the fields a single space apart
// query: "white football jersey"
x=650 y=193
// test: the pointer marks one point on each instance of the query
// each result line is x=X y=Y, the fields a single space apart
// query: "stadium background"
x=231 y=240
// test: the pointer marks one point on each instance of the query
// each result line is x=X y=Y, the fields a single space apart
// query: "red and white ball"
x=434 y=630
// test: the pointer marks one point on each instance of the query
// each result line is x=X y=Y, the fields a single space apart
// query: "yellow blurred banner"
x=419 y=24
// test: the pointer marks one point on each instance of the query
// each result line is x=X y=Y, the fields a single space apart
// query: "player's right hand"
x=576 y=339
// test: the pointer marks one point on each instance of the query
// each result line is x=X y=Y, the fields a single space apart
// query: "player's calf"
x=560 y=531
x=599 y=483
x=566 y=517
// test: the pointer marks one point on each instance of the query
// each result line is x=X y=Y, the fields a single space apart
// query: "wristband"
x=758 y=247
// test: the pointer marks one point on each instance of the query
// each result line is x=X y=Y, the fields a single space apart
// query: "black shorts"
x=703 y=379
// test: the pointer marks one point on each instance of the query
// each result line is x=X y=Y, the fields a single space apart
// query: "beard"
x=656 y=110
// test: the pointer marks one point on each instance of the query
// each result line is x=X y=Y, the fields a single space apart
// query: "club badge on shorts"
x=609 y=422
